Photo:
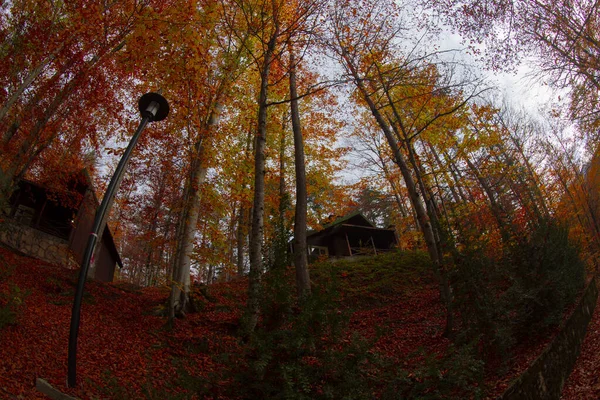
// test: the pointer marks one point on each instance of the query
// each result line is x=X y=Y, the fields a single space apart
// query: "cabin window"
x=316 y=251
x=24 y=214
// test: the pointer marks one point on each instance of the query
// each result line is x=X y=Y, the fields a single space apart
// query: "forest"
x=285 y=116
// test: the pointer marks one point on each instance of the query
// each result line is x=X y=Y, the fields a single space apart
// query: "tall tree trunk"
x=241 y=239
x=179 y=301
x=425 y=189
x=498 y=212
x=402 y=134
x=389 y=177
x=244 y=215
x=282 y=188
x=258 y=206
x=31 y=76
x=455 y=195
x=149 y=248
x=422 y=217
x=536 y=186
x=458 y=178
x=300 y=245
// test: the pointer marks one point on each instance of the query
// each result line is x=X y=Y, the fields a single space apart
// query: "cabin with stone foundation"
x=349 y=236
x=37 y=224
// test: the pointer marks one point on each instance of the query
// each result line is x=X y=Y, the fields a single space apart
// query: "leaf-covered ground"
x=584 y=382
x=125 y=352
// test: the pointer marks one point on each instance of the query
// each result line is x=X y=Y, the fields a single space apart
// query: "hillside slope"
x=390 y=340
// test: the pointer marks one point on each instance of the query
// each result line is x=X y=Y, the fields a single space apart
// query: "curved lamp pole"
x=153 y=107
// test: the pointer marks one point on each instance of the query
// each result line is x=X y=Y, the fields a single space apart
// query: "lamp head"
x=154 y=106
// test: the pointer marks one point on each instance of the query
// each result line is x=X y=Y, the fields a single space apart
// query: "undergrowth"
x=307 y=351
x=297 y=353
x=9 y=305
x=368 y=281
x=501 y=302
x=455 y=375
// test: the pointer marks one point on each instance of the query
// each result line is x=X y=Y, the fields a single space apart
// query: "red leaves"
x=408 y=323
x=584 y=382
x=123 y=345
x=120 y=343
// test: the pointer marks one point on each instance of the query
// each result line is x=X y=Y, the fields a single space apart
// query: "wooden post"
x=36 y=222
x=348 y=243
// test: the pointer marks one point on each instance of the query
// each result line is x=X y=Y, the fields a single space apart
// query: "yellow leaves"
x=593 y=186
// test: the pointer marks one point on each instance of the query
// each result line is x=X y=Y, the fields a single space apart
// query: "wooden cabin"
x=350 y=236
x=38 y=225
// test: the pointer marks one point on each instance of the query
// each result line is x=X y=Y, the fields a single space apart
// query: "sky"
x=522 y=89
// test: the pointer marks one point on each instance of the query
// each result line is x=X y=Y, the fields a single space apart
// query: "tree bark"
x=422 y=217
x=241 y=235
x=179 y=299
x=244 y=216
x=33 y=74
x=495 y=207
x=300 y=245
x=256 y=238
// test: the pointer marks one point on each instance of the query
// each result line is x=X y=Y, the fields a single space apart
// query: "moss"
x=368 y=281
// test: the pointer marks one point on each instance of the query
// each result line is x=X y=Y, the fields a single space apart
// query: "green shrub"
x=458 y=374
x=548 y=275
x=302 y=352
x=6 y=269
x=528 y=290
x=306 y=353
x=10 y=304
x=478 y=284
x=7 y=316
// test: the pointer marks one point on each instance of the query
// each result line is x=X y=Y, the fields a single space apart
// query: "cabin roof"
x=351 y=222
x=355 y=218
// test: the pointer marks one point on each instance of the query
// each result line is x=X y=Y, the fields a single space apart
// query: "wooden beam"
x=348 y=243
x=44 y=387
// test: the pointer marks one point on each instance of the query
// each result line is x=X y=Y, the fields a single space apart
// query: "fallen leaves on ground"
x=125 y=352
x=584 y=382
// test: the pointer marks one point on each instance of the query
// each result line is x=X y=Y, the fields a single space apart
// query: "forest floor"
x=584 y=381
x=125 y=352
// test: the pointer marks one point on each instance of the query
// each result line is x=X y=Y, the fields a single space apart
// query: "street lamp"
x=153 y=107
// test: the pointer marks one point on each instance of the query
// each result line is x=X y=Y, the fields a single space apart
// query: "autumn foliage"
x=283 y=116
x=371 y=329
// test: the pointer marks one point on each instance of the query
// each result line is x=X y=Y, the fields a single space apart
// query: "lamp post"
x=153 y=107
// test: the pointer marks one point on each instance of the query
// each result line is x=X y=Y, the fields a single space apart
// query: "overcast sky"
x=523 y=89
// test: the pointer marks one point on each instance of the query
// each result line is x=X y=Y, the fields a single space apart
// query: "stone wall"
x=545 y=378
x=35 y=243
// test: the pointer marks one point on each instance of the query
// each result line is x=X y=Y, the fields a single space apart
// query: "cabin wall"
x=105 y=265
x=83 y=226
x=353 y=235
x=22 y=233
x=38 y=244
x=339 y=246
